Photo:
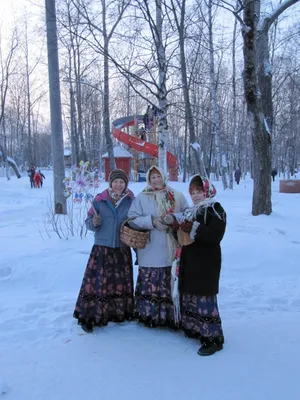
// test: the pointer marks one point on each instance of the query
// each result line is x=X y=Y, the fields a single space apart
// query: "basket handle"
x=127 y=220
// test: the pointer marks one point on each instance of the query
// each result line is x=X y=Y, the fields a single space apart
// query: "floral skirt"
x=153 y=301
x=201 y=318
x=106 y=293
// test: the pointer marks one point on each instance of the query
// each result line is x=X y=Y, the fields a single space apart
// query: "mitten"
x=193 y=232
x=169 y=219
x=159 y=224
x=186 y=226
x=175 y=225
x=96 y=220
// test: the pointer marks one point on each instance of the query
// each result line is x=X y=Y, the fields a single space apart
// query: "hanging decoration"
x=81 y=183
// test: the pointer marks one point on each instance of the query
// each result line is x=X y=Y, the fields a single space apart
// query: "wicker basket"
x=133 y=238
x=184 y=238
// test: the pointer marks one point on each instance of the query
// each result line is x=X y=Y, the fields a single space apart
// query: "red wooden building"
x=122 y=159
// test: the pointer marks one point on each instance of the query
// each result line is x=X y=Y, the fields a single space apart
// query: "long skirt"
x=200 y=318
x=153 y=301
x=106 y=292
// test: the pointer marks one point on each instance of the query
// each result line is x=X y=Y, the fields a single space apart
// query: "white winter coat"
x=157 y=252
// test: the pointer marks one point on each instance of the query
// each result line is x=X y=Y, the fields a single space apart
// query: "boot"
x=209 y=348
x=87 y=328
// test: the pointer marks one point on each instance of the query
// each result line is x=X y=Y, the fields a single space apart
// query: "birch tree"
x=157 y=31
x=154 y=72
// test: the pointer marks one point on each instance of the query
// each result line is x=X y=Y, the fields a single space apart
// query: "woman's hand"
x=186 y=226
x=96 y=220
x=171 y=221
x=159 y=224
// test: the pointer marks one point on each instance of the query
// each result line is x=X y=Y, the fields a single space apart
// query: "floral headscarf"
x=204 y=184
x=164 y=197
x=116 y=198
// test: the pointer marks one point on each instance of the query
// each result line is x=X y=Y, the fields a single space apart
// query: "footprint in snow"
x=5 y=272
x=280 y=231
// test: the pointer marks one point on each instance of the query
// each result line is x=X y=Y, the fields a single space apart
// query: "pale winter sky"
x=11 y=10
x=12 y=14
x=8 y=9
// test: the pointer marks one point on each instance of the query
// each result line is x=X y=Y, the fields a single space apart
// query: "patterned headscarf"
x=158 y=170
x=203 y=184
x=164 y=197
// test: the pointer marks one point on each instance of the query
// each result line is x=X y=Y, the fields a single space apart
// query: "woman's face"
x=197 y=196
x=156 y=180
x=118 y=186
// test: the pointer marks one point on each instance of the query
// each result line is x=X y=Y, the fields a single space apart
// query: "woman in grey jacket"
x=153 y=301
x=106 y=292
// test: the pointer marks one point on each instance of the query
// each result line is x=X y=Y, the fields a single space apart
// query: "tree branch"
x=268 y=21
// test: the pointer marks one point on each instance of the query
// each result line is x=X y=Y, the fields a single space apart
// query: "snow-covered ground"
x=44 y=355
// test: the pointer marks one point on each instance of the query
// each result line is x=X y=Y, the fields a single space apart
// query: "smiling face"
x=197 y=195
x=156 y=180
x=118 y=186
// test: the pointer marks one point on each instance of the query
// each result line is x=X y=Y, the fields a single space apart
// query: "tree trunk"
x=73 y=122
x=258 y=92
x=9 y=163
x=197 y=159
x=233 y=135
x=30 y=157
x=185 y=152
x=106 y=121
x=79 y=106
x=264 y=74
x=60 y=206
x=74 y=141
x=261 y=139
x=216 y=121
x=162 y=127
x=4 y=151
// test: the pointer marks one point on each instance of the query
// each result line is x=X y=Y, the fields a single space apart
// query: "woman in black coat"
x=200 y=266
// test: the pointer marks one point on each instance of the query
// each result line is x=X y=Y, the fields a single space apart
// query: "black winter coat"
x=200 y=262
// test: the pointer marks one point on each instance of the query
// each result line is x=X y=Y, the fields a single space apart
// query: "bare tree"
x=60 y=205
x=7 y=68
x=178 y=8
x=258 y=92
x=216 y=120
x=233 y=138
x=106 y=31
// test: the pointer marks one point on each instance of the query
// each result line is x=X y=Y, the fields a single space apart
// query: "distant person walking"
x=31 y=173
x=237 y=175
x=42 y=177
x=37 y=180
x=273 y=173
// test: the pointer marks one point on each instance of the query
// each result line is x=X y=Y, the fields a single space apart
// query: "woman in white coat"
x=153 y=301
